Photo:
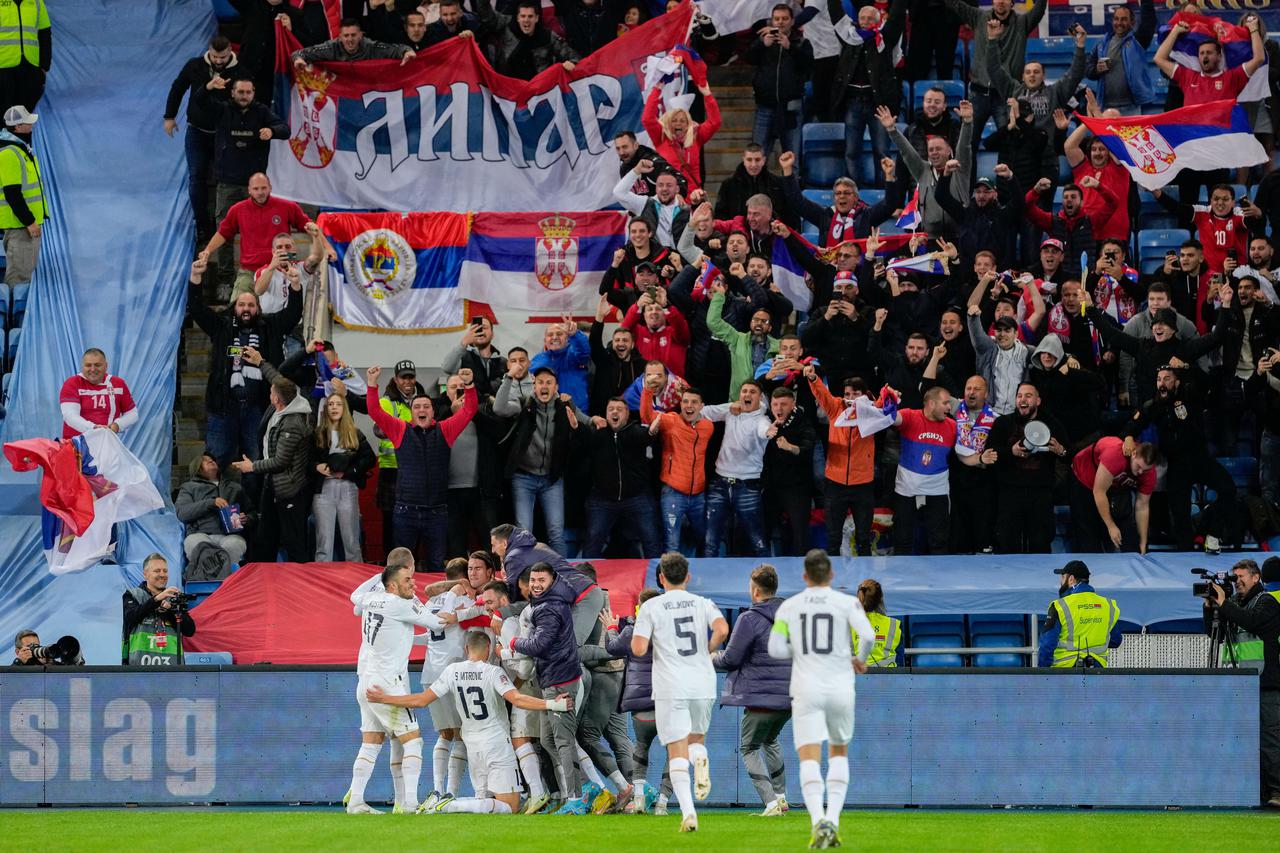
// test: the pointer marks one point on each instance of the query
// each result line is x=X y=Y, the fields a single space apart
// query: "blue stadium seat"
x=953 y=89
x=208 y=658
x=1243 y=469
x=822 y=197
x=948 y=625
x=871 y=195
x=939 y=659
x=987 y=624
x=822 y=157
x=811 y=234
x=1153 y=243
x=20 y=292
x=1003 y=659
x=1011 y=640
x=1177 y=626
x=4 y=298
x=11 y=351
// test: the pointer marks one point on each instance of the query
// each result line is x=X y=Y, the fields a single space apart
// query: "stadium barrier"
x=283 y=735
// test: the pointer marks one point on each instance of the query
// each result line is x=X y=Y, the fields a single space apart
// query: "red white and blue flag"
x=789 y=275
x=447 y=128
x=1237 y=49
x=396 y=272
x=910 y=218
x=926 y=263
x=1156 y=148
x=547 y=263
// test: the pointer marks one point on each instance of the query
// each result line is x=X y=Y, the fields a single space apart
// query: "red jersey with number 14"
x=99 y=404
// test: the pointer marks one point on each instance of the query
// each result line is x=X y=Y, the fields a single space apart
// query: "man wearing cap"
x=1253 y=615
x=1082 y=626
x=23 y=211
x=990 y=221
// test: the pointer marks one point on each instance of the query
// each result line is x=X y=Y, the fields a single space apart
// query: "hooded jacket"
x=755 y=680
x=287 y=445
x=1071 y=397
x=731 y=199
x=523 y=551
x=195 y=501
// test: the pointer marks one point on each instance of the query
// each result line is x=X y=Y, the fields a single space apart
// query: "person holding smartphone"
x=285 y=271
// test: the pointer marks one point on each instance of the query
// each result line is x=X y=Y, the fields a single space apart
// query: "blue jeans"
x=631 y=515
x=428 y=523
x=676 y=507
x=778 y=123
x=199 y=147
x=860 y=114
x=530 y=489
x=235 y=433
x=743 y=498
x=1269 y=466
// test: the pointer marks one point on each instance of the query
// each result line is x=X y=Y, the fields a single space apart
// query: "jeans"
x=932 y=510
x=430 y=523
x=860 y=113
x=860 y=499
x=199 y=145
x=778 y=123
x=338 y=503
x=1269 y=466
x=986 y=104
x=676 y=506
x=235 y=433
x=744 y=498
x=633 y=516
x=530 y=489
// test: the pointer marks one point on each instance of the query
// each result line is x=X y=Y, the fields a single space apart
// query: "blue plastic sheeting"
x=1148 y=589
x=112 y=275
x=955 y=739
x=112 y=270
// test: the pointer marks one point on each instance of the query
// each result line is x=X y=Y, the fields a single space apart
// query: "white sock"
x=662 y=798
x=477 y=805
x=362 y=769
x=679 y=769
x=588 y=768
x=457 y=766
x=410 y=770
x=397 y=769
x=837 y=785
x=619 y=781
x=637 y=792
x=440 y=765
x=811 y=785
x=531 y=768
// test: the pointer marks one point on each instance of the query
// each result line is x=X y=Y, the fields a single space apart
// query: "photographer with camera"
x=27 y=651
x=155 y=618
x=1251 y=622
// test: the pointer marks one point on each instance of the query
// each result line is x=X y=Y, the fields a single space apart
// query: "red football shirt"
x=1116 y=179
x=1200 y=88
x=257 y=225
x=1109 y=453
x=99 y=404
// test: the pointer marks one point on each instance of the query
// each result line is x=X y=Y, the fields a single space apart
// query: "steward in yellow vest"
x=1083 y=626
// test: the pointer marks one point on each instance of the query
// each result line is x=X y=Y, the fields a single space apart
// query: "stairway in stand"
x=732 y=87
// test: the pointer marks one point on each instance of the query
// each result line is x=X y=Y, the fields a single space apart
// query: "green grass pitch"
x=879 y=831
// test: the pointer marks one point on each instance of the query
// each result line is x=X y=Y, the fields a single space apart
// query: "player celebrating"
x=684 y=682
x=444 y=647
x=386 y=629
x=479 y=688
x=815 y=629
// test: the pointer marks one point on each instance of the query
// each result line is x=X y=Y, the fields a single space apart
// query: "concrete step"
x=184 y=451
x=187 y=429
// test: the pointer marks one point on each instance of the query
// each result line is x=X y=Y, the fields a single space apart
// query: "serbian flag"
x=89 y=483
x=1156 y=148
x=396 y=272
x=1237 y=49
x=789 y=275
x=910 y=218
x=326 y=373
x=930 y=263
x=548 y=263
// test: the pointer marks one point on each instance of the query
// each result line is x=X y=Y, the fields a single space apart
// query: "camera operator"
x=1252 y=619
x=155 y=618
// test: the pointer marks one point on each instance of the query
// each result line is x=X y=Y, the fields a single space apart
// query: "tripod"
x=1219 y=637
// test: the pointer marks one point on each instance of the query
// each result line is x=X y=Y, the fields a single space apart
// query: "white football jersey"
x=444 y=643
x=519 y=668
x=818 y=624
x=677 y=624
x=477 y=688
x=386 y=631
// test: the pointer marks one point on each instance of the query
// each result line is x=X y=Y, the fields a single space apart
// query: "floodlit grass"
x=914 y=830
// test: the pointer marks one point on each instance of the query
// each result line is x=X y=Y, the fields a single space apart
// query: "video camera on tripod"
x=1222 y=647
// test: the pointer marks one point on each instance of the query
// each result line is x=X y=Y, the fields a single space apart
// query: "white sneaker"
x=429 y=803
x=660 y=810
x=361 y=808
x=774 y=809
x=1212 y=545
x=783 y=804
x=701 y=778
x=689 y=824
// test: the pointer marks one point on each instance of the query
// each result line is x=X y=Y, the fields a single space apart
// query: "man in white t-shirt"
x=479 y=690
x=273 y=282
x=677 y=623
x=388 y=614
x=815 y=629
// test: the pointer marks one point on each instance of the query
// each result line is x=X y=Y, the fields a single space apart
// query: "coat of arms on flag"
x=380 y=263
x=1150 y=151
x=555 y=256
x=313 y=119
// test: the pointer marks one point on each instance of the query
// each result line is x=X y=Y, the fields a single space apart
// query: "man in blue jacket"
x=520 y=552
x=555 y=657
x=1119 y=66
x=567 y=351
x=761 y=684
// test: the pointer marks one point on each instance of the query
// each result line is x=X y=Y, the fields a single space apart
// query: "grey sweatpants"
x=761 y=752
x=559 y=736
x=646 y=729
x=593 y=725
x=586 y=614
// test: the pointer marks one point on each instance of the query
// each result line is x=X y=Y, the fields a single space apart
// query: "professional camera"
x=180 y=602
x=1204 y=588
x=63 y=653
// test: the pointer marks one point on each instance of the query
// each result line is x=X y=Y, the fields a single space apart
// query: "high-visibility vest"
x=1085 y=620
x=387 y=450
x=888 y=637
x=1247 y=648
x=18 y=168
x=20 y=26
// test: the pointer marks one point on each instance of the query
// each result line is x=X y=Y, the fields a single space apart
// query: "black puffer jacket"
x=288 y=445
x=637 y=678
x=756 y=679
x=731 y=199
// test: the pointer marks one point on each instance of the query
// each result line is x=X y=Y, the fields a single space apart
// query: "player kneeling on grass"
x=479 y=688
x=815 y=629
x=684 y=681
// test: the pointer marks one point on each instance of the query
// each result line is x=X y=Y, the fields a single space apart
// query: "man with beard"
x=1102 y=166
x=990 y=221
x=849 y=479
x=1140 y=327
x=454 y=21
x=666 y=213
x=904 y=372
x=848 y=217
x=736 y=487
x=1025 y=476
x=684 y=436
x=747 y=350
x=617 y=366
x=788 y=471
x=1002 y=361
x=1252 y=331
x=1077 y=228
x=620 y=499
x=524 y=48
x=236 y=394
x=1261 y=266
x=927 y=170
x=1176 y=412
x=630 y=152
x=960 y=359
x=477 y=352
x=664 y=386
x=932 y=119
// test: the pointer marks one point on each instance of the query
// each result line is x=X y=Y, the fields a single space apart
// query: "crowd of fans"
x=701 y=410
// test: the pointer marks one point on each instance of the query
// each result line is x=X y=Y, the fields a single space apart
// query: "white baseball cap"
x=17 y=115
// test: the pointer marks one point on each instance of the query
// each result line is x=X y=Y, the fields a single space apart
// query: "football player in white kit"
x=444 y=646
x=815 y=629
x=684 y=682
x=480 y=689
x=388 y=615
